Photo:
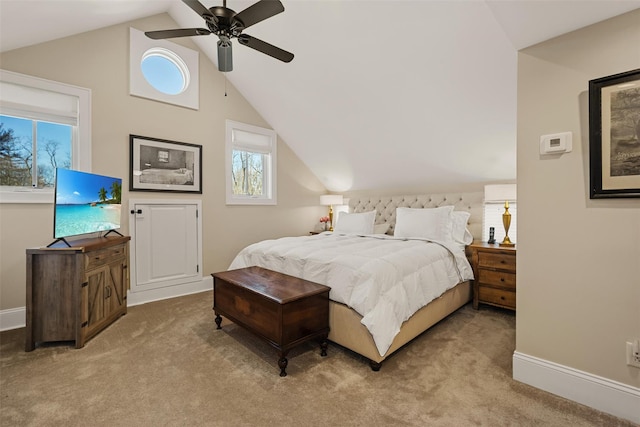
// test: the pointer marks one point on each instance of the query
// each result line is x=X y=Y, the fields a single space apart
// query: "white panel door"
x=166 y=245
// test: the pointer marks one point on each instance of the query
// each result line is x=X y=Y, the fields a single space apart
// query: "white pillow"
x=460 y=233
x=381 y=228
x=355 y=223
x=433 y=224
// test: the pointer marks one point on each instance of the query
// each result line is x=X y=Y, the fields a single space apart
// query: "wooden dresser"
x=75 y=292
x=494 y=268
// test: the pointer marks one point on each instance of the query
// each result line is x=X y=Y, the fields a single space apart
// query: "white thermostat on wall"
x=556 y=143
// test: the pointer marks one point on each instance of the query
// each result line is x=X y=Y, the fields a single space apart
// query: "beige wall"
x=578 y=259
x=99 y=60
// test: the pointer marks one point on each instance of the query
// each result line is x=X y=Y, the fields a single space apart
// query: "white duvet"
x=385 y=279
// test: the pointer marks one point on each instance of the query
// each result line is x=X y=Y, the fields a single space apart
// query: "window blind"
x=249 y=141
x=38 y=104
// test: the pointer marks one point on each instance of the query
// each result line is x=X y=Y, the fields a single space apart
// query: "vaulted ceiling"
x=381 y=94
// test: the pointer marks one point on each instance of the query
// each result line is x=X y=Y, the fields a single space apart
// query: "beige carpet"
x=165 y=364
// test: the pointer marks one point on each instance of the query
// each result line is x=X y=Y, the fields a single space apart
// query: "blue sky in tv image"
x=76 y=187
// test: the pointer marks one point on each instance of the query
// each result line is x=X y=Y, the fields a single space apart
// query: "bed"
x=180 y=176
x=371 y=323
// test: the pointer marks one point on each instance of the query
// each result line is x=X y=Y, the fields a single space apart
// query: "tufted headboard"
x=386 y=207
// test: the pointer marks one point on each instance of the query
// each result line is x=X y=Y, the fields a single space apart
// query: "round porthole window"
x=165 y=71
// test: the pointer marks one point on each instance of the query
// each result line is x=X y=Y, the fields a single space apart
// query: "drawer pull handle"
x=502 y=279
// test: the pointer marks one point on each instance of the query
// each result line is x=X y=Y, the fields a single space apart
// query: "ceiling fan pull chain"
x=225 y=83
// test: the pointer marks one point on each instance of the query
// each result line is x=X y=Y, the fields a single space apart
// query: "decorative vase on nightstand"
x=325 y=223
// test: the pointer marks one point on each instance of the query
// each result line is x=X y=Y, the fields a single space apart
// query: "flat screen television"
x=85 y=203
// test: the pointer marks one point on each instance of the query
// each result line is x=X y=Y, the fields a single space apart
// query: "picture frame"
x=614 y=136
x=163 y=165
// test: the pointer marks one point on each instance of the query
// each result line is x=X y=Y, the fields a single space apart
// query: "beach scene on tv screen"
x=86 y=203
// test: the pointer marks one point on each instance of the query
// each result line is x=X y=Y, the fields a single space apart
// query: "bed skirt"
x=347 y=331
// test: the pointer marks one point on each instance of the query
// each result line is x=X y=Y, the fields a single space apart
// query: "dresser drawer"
x=497 y=296
x=497 y=278
x=496 y=260
x=104 y=256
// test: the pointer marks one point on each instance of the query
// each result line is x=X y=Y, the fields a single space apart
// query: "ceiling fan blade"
x=201 y=10
x=259 y=12
x=264 y=47
x=183 y=32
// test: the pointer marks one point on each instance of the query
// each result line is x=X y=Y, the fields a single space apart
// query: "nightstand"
x=494 y=269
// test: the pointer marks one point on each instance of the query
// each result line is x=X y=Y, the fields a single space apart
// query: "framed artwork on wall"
x=614 y=135
x=162 y=165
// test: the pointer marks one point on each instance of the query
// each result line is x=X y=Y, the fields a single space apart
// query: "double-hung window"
x=250 y=164
x=43 y=125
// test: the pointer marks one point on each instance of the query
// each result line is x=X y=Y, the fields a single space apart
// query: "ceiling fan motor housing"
x=225 y=57
x=227 y=24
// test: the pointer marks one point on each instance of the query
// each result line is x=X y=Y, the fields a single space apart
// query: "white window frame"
x=185 y=59
x=81 y=136
x=270 y=166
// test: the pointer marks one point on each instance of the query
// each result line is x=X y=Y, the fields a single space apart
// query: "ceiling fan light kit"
x=227 y=24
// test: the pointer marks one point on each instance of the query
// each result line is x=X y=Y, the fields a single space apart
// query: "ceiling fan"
x=227 y=24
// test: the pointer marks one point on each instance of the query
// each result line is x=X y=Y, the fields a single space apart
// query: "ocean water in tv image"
x=88 y=218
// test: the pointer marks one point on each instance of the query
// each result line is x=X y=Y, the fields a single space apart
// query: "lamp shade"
x=500 y=193
x=331 y=199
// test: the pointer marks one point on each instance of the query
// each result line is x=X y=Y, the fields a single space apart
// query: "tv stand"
x=75 y=292
x=61 y=239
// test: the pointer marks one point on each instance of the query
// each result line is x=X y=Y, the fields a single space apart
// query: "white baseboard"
x=612 y=397
x=15 y=318
x=136 y=298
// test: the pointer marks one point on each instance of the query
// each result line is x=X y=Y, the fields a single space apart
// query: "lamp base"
x=506 y=221
x=506 y=242
x=330 y=217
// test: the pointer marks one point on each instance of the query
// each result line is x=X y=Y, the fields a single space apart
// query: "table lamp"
x=330 y=200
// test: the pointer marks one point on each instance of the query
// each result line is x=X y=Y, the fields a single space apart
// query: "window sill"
x=250 y=201
x=26 y=195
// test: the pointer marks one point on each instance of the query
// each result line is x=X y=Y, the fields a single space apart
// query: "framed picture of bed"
x=614 y=135
x=163 y=165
